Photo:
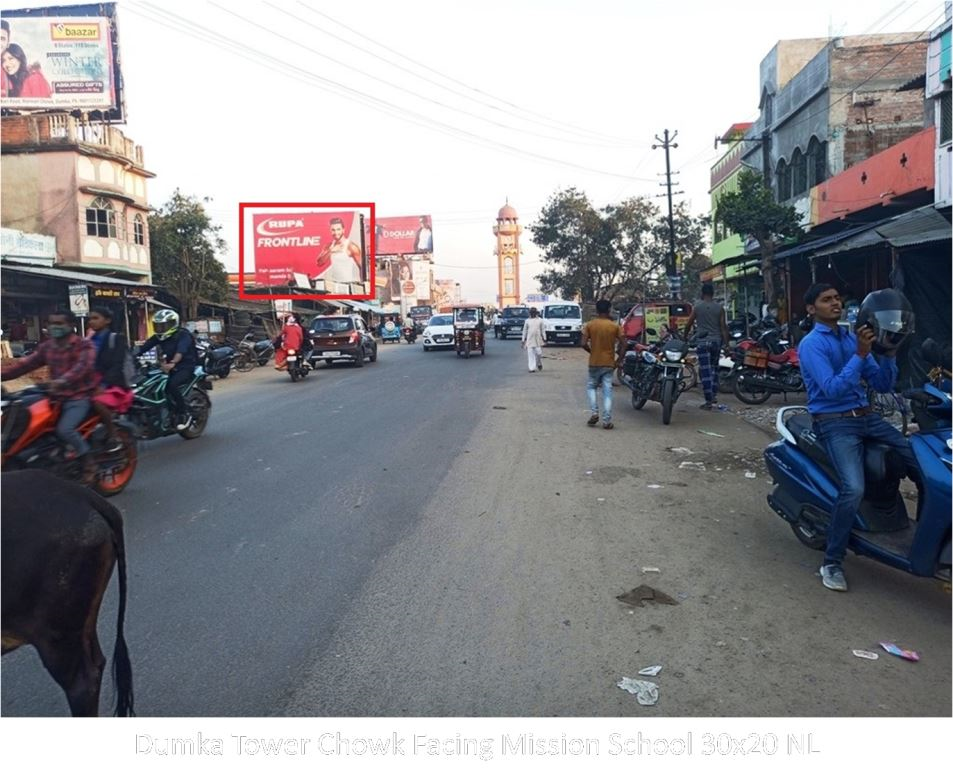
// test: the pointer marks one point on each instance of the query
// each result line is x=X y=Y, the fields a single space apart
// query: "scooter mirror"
x=651 y=332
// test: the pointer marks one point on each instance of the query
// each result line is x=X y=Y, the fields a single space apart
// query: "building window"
x=798 y=173
x=784 y=181
x=139 y=230
x=100 y=219
x=816 y=162
x=946 y=117
x=508 y=287
x=507 y=266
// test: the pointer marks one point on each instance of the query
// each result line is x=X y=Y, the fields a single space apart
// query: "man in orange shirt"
x=604 y=340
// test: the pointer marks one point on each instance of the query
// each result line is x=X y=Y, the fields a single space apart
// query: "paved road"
x=434 y=536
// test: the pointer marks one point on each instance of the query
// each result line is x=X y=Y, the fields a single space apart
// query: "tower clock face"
x=507 y=243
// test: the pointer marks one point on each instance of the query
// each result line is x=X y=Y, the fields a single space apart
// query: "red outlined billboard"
x=395 y=235
x=315 y=244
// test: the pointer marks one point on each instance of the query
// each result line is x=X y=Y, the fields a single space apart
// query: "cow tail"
x=121 y=666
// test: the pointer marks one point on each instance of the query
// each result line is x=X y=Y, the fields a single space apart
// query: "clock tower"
x=507 y=231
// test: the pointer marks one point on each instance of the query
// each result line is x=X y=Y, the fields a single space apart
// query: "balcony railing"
x=39 y=130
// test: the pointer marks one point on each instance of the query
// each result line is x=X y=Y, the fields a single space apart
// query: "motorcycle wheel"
x=294 y=374
x=747 y=393
x=806 y=531
x=638 y=402
x=244 y=363
x=668 y=400
x=466 y=351
x=116 y=478
x=200 y=406
x=224 y=371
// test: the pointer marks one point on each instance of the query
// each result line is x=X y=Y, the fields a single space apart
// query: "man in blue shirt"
x=833 y=362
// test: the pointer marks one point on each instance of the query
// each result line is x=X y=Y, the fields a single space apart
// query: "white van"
x=562 y=322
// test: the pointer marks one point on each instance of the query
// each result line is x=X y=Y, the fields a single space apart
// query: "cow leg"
x=76 y=662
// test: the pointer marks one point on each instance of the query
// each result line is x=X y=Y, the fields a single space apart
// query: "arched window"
x=508 y=266
x=816 y=162
x=798 y=173
x=100 y=218
x=139 y=230
x=783 y=174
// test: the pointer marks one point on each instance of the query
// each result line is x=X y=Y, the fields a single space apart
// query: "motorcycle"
x=656 y=372
x=410 y=334
x=806 y=488
x=766 y=367
x=30 y=442
x=298 y=367
x=216 y=359
x=253 y=353
x=150 y=415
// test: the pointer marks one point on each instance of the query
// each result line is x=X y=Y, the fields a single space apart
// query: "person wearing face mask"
x=73 y=378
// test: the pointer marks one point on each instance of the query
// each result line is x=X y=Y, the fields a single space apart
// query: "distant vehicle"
x=562 y=322
x=469 y=330
x=341 y=337
x=439 y=333
x=510 y=321
x=421 y=315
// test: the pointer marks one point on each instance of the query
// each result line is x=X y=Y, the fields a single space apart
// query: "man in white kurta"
x=533 y=340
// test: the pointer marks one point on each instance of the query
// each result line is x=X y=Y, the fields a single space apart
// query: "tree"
x=751 y=211
x=615 y=252
x=184 y=244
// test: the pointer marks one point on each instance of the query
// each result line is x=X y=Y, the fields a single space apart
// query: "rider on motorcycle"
x=72 y=361
x=180 y=359
x=292 y=337
x=833 y=362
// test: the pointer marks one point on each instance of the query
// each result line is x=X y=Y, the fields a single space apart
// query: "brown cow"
x=60 y=542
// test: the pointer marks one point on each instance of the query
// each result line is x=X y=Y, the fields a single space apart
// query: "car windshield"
x=516 y=312
x=441 y=320
x=562 y=312
x=332 y=324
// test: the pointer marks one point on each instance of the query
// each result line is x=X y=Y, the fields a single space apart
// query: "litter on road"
x=751 y=475
x=653 y=485
x=866 y=655
x=710 y=434
x=643 y=593
x=694 y=465
x=650 y=569
x=894 y=650
x=651 y=671
x=646 y=692
x=683 y=451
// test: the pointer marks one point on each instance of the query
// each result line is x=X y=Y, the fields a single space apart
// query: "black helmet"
x=889 y=315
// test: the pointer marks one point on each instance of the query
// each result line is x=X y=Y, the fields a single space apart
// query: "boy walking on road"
x=604 y=340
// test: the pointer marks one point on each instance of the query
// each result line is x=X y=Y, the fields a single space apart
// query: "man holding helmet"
x=833 y=362
x=179 y=359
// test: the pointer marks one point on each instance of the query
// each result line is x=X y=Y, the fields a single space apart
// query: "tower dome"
x=507 y=212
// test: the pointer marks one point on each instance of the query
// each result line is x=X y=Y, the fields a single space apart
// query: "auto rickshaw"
x=469 y=329
x=390 y=331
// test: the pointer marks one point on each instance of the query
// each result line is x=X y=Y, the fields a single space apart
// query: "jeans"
x=173 y=390
x=534 y=357
x=601 y=376
x=709 y=352
x=844 y=441
x=71 y=416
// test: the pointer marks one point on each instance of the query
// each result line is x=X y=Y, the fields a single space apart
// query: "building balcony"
x=52 y=132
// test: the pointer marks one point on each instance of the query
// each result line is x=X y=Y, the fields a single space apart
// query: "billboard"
x=62 y=58
x=403 y=234
x=325 y=246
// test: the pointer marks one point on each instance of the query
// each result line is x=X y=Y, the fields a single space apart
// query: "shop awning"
x=77 y=277
x=923 y=225
x=817 y=244
x=364 y=307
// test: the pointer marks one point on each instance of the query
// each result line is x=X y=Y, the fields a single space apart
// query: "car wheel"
x=359 y=360
x=374 y=354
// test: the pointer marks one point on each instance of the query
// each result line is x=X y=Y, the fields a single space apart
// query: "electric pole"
x=674 y=279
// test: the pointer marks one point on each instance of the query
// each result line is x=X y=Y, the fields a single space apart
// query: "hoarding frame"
x=368 y=255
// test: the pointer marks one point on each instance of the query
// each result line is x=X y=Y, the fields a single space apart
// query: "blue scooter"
x=806 y=486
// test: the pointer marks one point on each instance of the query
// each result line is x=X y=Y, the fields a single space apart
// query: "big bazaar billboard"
x=397 y=235
x=62 y=58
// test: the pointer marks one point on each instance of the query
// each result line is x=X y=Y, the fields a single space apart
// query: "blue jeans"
x=71 y=416
x=844 y=441
x=601 y=376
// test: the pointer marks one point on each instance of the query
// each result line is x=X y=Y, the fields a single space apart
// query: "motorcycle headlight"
x=674 y=355
x=648 y=357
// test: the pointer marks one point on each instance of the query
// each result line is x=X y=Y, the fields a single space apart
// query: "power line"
x=182 y=24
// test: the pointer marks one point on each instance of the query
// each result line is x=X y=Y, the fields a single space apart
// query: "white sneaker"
x=833 y=578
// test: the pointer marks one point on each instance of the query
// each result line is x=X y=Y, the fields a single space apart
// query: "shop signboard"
x=79 y=300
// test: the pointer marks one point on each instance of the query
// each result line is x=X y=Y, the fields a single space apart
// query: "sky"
x=452 y=108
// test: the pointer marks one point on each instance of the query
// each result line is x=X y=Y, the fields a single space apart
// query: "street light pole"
x=674 y=280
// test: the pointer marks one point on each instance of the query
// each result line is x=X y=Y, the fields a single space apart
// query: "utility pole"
x=674 y=279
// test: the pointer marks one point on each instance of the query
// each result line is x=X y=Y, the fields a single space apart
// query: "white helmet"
x=165 y=322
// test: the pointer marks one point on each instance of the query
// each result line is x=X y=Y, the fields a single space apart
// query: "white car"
x=439 y=333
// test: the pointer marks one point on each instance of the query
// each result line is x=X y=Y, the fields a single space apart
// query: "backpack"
x=128 y=364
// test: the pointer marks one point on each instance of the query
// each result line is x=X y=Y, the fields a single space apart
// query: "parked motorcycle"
x=410 y=334
x=766 y=368
x=30 y=442
x=806 y=488
x=655 y=372
x=253 y=353
x=298 y=367
x=216 y=359
x=150 y=415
